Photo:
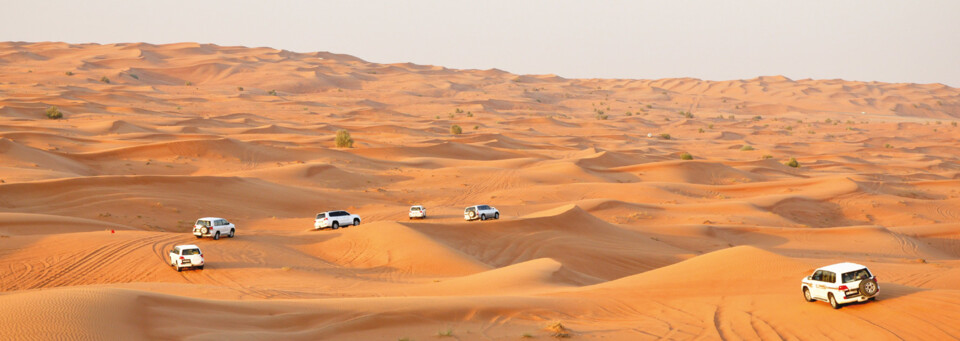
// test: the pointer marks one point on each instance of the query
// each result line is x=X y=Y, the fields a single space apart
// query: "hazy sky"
x=891 y=41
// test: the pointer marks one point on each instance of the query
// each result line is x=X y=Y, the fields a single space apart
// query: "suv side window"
x=484 y=207
x=817 y=275
x=829 y=277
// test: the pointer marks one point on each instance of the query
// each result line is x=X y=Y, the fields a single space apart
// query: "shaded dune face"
x=603 y=225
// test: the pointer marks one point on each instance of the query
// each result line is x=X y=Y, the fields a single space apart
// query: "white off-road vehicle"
x=482 y=212
x=418 y=212
x=335 y=219
x=840 y=284
x=213 y=227
x=186 y=256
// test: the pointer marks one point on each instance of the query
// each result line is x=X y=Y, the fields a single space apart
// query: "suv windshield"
x=191 y=252
x=856 y=275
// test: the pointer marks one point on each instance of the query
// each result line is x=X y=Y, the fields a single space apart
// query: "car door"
x=174 y=255
x=829 y=283
x=816 y=285
x=339 y=217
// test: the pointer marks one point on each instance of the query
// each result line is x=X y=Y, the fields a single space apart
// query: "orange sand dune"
x=604 y=225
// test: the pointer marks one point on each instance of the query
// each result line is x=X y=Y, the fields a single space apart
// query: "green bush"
x=601 y=116
x=665 y=136
x=686 y=156
x=456 y=130
x=272 y=92
x=54 y=113
x=746 y=147
x=188 y=83
x=469 y=114
x=239 y=88
x=793 y=163
x=69 y=73
x=343 y=139
x=767 y=156
x=105 y=79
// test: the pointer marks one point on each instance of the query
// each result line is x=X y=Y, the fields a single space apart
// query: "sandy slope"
x=602 y=228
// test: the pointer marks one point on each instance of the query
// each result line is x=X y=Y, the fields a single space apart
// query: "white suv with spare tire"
x=482 y=212
x=213 y=227
x=839 y=284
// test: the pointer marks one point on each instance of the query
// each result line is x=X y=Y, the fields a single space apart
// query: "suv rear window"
x=203 y=223
x=856 y=275
x=415 y=208
x=471 y=209
x=321 y=215
x=190 y=252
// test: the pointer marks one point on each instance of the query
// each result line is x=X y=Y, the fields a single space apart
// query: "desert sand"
x=604 y=228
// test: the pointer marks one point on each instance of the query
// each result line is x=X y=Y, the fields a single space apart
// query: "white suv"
x=482 y=212
x=418 y=211
x=186 y=256
x=335 y=219
x=839 y=284
x=213 y=227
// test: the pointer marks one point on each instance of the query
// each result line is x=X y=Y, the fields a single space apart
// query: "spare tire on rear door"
x=868 y=287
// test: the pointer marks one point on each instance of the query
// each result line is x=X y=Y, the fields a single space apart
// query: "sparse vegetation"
x=746 y=147
x=887 y=146
x=105 y=79
x=757 y=118
x=272 y=93
x=469 y=114
x=445 y=333
x=665 y=136
x=54 y=113
x=649 y=106
x=134 y=76
x=526 y=336
x=701 y=130
x=954 y=123
x=792 y=163
x=188 y=83
x=686 y=156
x=558 y=330
x=476 y=127
x=343 y=139
x=458 y=111
x=767 y=156
x=628 y=113
x=601 y=116
x=456 y=130
x=69 y=73
x=239 y=88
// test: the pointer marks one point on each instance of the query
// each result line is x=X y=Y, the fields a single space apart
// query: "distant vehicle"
x=482 y=212
x=418 y=212
x=335 y=219
x=213 y=227
x=186 y=256
x=839 y=284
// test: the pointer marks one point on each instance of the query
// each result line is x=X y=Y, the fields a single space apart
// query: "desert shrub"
x=451 y=115
x=746 y=147
x=134 y=76
x=558 y=330
x=767 y=156
x=665 y=136
x=649 y=106
x=701 y=131
x=343 y=139
x=710 y=126
x=469 y=114
x=688 y=114
x=686 y=156
x=601 y=116
x=954 y=123
x=476 y=127
x=54 y=113
x=105 y=79
x=757 y=118
x=628 y=113
x=272 y=92
x=188 y=83
x=887 y=146
x=239 y=88
x=792 y=163
x=446 y=332
x=456 y=130
x=69 y=73
x=458 y=111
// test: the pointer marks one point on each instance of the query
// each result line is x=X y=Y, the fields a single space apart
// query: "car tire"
x=806 y=295
x=833 y=301
x=868 y=287
x=232 y=233
x=198 y=237
x=356 y=222
x=335 y=225
x=200 y=267
x=179 y=269
x=216 y=236
x=496 y=216
x=483 y=217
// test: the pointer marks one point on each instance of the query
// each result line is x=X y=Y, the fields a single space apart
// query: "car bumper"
x=417 y=215
x=200 y=234
x=852 y=299
x=190 y=265
x=318 y=226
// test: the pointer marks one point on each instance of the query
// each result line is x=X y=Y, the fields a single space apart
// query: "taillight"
x=181 y=257
x=843 y=288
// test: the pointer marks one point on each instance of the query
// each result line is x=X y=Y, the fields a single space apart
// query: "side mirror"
x=809 y=277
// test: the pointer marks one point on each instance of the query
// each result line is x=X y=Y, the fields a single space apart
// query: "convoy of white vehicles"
x=837 y=284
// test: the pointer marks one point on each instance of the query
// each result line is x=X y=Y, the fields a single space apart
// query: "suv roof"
x=209 y=218
x=191 y=246
x=842 y=267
